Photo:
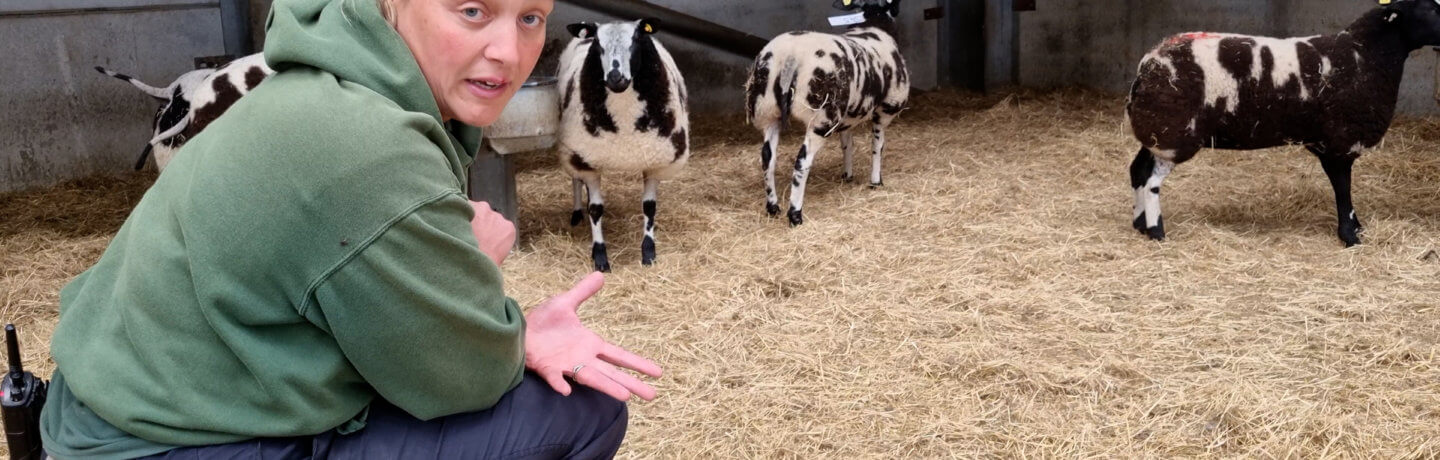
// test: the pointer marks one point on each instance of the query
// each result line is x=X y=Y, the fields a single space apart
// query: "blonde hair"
x=387 y=10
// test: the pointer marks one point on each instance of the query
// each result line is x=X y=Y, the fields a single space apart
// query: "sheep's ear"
x=582 y=29
x=648 y=25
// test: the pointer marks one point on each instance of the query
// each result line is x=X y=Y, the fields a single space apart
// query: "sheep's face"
x=1419 y=21
x=873 y=9
x=616 y=48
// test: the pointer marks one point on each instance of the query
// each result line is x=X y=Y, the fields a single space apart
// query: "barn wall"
x=1098 y=43
x=59 y=118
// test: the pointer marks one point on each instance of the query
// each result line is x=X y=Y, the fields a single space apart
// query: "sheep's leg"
x=847 y=143
x=578 y=212
x=597 y=234
x=767 y=164
x=1148 y=191
x=1338 y=168
x=647 y=246
x=813 y=143
x=879 y=151
x=1140 y=173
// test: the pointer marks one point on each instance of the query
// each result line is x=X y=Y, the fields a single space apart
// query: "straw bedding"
x=990 y=300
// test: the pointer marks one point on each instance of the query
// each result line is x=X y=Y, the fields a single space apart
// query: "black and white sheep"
x=831 y=83
x=194 y=100
x=1334 y=94
x=623 y=108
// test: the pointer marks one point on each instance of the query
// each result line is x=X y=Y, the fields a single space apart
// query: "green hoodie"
x=309 y=251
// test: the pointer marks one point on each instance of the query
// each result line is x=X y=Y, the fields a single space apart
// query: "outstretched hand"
x=557 y=345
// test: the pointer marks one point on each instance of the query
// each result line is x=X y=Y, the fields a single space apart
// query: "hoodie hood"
x=351 y=40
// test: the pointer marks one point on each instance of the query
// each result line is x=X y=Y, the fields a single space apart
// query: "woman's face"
x=474 y=53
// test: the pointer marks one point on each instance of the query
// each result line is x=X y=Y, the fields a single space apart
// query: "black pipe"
x=681 y=24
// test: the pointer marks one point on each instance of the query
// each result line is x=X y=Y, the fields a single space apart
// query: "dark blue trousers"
x=531 y=422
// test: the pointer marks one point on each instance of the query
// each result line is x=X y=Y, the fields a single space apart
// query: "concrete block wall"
x=1099 y=43
x=59 y=118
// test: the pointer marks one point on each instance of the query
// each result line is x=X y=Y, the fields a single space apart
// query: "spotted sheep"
x=193 y=101
x=831 y=83
x=623 y=108
x=1334 y=94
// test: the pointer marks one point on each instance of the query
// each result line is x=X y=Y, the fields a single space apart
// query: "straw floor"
x=991 y=300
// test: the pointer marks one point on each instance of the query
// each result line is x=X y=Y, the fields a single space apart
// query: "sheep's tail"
x=174 y=130
x=785 y=89
x=158 y=93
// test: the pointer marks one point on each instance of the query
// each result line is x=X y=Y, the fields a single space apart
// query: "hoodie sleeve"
x=421 y=315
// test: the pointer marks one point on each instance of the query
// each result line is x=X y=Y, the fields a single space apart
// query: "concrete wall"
x=1098 y=43
x=59 y=118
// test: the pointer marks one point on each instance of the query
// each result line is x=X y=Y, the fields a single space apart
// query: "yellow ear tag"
x=848 y=2
x=1384 y=2
x=649 y=30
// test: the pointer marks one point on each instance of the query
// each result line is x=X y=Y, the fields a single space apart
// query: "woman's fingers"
x=624 y=358
x=583 y=290
x=632 y=384
x=594 y=377
x=556 y=381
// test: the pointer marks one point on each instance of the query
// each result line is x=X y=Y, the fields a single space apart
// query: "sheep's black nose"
x=616 y=82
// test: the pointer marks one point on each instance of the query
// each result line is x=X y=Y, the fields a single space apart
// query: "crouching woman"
x=308 y=280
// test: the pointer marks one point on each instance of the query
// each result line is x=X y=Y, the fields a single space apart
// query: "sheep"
x=623 y=109
x=1333 y=94
x=194 y=100
x=831 y=83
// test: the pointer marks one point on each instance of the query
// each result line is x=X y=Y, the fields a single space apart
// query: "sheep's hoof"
x=796 y=218
x=772 y=209
x=647 y=251
x=1350 y=236
x=1157 y=232
x=1139 y=223
x=875 y=185
x=575 y=217
x=849 y=179
x=602 y=261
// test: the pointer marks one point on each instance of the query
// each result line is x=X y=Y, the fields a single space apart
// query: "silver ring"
x=576 y=370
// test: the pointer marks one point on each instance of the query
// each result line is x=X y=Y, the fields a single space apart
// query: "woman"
x=307 y=279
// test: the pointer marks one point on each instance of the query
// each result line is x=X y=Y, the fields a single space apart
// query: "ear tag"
x=1384 y=2
x=648 y=29
x=848 y=2
x=847 y=20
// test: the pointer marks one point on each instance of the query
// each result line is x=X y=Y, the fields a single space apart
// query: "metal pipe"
x=681 y=24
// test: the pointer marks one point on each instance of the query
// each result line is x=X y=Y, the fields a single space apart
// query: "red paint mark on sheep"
x=1189 y=37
